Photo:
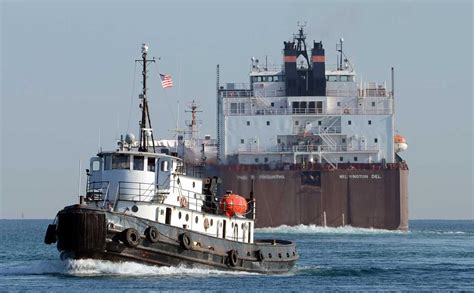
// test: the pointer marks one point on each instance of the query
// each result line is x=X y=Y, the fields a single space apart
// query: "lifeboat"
x=233 y=204
x=400 y=143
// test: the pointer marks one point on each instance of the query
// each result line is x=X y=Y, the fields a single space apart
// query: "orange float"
x=399 y=139
x=233 y=204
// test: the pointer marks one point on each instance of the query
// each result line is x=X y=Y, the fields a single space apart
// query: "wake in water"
x=92 y=267
x=313 y=229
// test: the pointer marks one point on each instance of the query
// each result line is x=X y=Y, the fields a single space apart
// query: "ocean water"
x=433 y=255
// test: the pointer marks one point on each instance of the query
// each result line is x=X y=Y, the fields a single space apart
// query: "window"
x=373 y=104
x=248 y=123
x=164 y=166
x=319 y=122
x=349 y=122
x=120 y=162
x=151 y=164
x=256 y=160
x=268 y=122
x=355 y=159
x=297 y=123
x=370 y=122
x=233 y=108
x=266 y=160
x=344 y=78
x=278 y=140
x=107 y=163
x=376 y=140
x=341 y=159
x=339 y=104
x=272 y=104
x=343 y=140
x=96 y=166
x=138 y=163
x=242 y=140
x=332 y=78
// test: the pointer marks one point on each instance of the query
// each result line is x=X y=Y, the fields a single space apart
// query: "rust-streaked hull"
x=361 y=195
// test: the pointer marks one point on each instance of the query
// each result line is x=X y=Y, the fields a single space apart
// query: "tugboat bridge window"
x=138 y=163
x=151 y=164
x=107 y=163
x=120 y=162
x=95 y=166
x=164 y=166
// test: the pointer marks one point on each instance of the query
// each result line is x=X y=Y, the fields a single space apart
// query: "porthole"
x=194 y=184
x=212 y=222
x=187 y=217
x=134 y=209
x=248 y=253
x=179 y=215
x=197 y=219
x=294 y=253
x=269 y=255
x=288 y=254
x=279 y=255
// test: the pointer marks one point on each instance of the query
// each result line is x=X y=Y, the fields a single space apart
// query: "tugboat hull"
x=84 y=232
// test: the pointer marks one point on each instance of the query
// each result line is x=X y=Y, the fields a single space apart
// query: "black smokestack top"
x=291 y=76
x=319 y=69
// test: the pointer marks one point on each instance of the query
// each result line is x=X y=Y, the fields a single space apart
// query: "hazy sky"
x=67 y=80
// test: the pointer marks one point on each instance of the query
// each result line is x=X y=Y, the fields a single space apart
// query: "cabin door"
x=164 y=173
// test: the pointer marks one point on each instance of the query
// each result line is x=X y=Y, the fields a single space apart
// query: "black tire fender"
x=152 y=234
x=185 y=241
x=260 y=255
x=50 y=236
x=131 y=237
x=233 y=257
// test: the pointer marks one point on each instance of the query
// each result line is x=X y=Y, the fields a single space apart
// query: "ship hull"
x=368 y=196
x=83 y=232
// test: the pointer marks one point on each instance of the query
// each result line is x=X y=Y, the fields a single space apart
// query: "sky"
x=69 y=82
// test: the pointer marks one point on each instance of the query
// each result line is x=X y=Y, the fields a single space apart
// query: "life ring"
x=346 y=111
x=206 y=223
x=131 y=237
x=233 y=257
x=185 y=241
x=152 y=234
x=260 y=255
x=183 y=202
x=50 y=236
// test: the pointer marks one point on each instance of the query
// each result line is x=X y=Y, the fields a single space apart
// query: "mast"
x=145 y=123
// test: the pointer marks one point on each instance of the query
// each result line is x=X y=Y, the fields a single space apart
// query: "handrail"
x=307 y=111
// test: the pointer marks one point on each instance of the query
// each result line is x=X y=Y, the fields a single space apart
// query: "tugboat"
x=141 y=205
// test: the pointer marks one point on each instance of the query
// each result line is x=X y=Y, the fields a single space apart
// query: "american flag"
x=166 y=81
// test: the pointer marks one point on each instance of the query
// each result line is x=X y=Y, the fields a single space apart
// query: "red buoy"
x=233 y=204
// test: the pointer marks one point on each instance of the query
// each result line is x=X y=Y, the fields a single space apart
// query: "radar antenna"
x=146 y=129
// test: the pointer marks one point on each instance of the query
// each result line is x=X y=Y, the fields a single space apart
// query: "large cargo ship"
x=317 y=144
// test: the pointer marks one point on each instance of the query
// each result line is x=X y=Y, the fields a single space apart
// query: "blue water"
x=432 y=255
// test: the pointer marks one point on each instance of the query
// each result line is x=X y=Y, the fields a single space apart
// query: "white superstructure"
x=343 y=120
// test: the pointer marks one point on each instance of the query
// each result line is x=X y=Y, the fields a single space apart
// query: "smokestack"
x=289 y=58
x=319 y=69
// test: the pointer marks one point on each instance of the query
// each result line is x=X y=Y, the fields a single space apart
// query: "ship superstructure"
x=304 y=112
x=316 y=139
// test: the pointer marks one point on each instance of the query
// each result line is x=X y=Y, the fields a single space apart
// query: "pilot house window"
x=120 y=162
x=138 y=163
x=151 y=164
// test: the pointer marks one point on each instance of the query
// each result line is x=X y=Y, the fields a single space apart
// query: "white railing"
x=305 y=148
x=293 y=111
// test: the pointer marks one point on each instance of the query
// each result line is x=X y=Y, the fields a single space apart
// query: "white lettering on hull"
x=360 y=176
x=262 y=177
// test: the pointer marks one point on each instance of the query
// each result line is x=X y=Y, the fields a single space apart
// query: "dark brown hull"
x=369 y=196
